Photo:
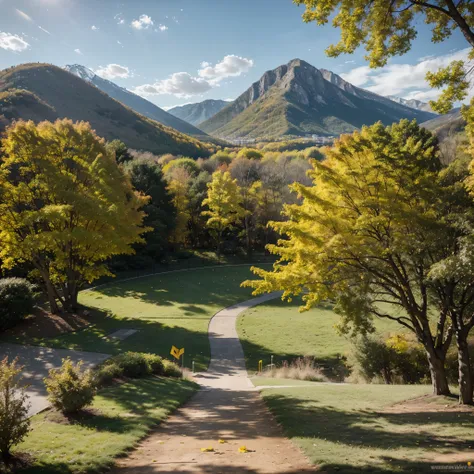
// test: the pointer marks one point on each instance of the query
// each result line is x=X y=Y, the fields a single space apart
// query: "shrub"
x=302 y=368
x=171 y=369
x=70 y=389
x=105 y=374
x=133 y=364
x=16 y=301
x=155 y=364
x=14 y=421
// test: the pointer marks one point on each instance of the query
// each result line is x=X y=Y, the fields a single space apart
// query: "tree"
x=14 y=406
x=147 y=178
x=386 y=28
x=225 y=205
x=368 y=234
x=178 y=186
x=65 y=206
x=122 y=154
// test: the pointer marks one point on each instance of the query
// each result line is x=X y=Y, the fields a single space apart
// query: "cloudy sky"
x=180 y=51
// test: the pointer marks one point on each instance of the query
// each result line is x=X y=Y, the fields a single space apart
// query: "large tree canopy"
x=65 y=205
x=375 y=232
x=386 y=28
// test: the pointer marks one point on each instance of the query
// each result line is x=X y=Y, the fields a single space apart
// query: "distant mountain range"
x=298 y=99
x=447 y=125
x=413 y=103
x=46 y=92
x=134 y=101
x=199 y=112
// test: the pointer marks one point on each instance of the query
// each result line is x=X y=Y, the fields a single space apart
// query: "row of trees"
x=72 y=206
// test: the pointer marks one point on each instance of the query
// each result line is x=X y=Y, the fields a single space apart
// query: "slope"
x=135 y=102
x=298 y=99
x=46 y=92
x=199 y=112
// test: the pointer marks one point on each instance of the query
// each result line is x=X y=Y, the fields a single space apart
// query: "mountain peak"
x=80 y=71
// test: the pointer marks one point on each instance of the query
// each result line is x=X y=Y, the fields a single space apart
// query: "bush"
x=69 y=388
x=14 y=421
x=171 y=369
x=302 y=368
x=396 y=360
x=105 y=374
x=16 y=301
x=133 y=364
x=155 y=364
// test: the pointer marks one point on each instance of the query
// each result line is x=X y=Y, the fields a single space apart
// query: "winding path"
x=228 y=408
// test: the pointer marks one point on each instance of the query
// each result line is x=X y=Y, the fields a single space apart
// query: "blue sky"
x=180 y=51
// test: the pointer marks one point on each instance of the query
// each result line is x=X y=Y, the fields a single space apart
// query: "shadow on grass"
x=372 y=431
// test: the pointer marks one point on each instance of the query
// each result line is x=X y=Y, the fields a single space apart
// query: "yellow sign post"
x=177 y=353
x=260 y=365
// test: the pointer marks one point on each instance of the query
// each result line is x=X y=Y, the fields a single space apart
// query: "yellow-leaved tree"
x=224 y=202
x=65 y=206
x=385 y=232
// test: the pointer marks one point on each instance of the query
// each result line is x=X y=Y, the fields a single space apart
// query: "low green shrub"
x=107 y=373
x=69 y=388
x=14 y=421
x=133 y=364
x=171 y=369
x=17 y=299
x=155 y=364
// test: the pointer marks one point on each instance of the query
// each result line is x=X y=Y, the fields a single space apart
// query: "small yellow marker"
x=260 y=365
x=222 y=441
x=469 y=463
x=243 y=449
x=210 y=449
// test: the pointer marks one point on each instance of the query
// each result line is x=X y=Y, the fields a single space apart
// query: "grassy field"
x=166 y=309
x=354 y=428
x=277 y=328
x=120 y=416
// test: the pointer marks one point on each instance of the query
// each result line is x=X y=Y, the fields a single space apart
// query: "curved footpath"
x=228 y=408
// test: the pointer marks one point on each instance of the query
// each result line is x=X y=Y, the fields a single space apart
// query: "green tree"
x=147 y=178
x=224 y=202
x=179 y=180
x=122 y=155
x=65 y=206
x=368 y=234
x=386 y=28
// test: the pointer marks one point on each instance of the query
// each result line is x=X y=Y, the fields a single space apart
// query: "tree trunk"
x=53 y=304
x=465 y=373
x=438 y=372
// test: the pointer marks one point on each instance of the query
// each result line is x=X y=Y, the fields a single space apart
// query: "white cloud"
x=78 y=51
x=12 y=42
x=162 y=27
x=230 y=66
x=143 y=22
x=119 y=19
x=94 y=28
x=404 y=80
x=24 y=15
x=113 y=71
x=179 y=84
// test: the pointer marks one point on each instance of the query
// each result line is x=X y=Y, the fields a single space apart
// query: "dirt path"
x=226 y=408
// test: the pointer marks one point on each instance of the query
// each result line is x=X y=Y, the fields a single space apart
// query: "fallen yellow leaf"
x=243 y=449
x=222 y=441
x=210 y=449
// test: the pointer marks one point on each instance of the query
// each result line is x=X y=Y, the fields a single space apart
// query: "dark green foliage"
x=16 y=301
x=107 y=373
x=133 y=364
x=171 y=369
x=155 y=364
x=122 y=154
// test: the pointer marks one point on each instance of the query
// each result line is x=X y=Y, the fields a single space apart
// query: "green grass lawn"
x=277 y=328
x=119 y=417
x=345 y=428
x=166 y=309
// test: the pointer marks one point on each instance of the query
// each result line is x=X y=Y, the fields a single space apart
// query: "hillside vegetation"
x=45 y=92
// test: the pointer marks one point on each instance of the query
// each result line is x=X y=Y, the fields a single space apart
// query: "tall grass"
x=302 y=368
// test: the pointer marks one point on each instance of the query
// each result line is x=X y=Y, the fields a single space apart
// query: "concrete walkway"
x=38 y=361
x=226 y=408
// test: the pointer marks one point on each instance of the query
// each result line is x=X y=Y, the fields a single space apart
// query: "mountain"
x=298 y=99
x=46 y=92
x=200 y=112
x=413 y=103
x=447 y=125
x=134 y=101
